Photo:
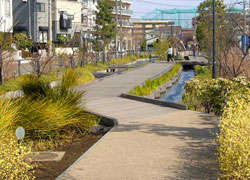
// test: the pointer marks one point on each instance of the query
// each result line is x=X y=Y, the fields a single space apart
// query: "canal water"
x=174 y=94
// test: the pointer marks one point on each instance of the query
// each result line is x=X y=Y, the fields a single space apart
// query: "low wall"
x=155 y=101
x=157 y=93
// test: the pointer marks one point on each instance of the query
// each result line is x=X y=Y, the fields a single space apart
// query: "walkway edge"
x=155 y=101
x=105 y=120
x=84 y=154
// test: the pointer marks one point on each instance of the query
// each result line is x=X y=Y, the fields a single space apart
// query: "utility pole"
x=244 y=27
x=29 y=4
x=121 y=27
x=116 y=22
x=214 y=41
x=50 y=25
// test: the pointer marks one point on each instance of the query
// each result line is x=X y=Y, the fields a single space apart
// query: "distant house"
x=31 y=18
x=66 y=18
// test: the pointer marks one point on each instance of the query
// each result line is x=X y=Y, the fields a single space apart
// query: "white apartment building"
x=123 y=15
x=6 y=17
x=88 y=17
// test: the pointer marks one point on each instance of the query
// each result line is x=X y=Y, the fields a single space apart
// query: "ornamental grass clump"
x=234 y=139
x=8 y=114
x=47 y=112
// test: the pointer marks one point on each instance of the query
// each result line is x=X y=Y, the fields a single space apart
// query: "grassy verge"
x=151 y=85
x=83 y=74
x=48 y=115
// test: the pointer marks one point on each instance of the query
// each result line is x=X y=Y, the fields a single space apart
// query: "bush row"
x=234 y=139
x=211 y=95
x=231 y=100
x=153 y=84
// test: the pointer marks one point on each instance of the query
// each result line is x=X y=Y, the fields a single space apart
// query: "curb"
x=155 y=101
x=83 y=155
x=105 y=120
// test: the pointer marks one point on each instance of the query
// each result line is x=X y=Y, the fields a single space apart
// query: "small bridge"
x=193 y=61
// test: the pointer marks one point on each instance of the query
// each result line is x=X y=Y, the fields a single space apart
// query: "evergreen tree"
x=105 y=29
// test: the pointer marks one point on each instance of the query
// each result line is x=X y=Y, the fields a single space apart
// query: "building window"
x=43 y=36
x=7 y=8
x=40 y=7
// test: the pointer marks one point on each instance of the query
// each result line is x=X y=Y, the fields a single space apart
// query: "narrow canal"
x=174 y=94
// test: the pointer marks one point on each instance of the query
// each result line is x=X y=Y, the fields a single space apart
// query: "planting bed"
x=51 y=170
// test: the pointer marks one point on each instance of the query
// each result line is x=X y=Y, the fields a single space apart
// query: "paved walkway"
x=151 y=142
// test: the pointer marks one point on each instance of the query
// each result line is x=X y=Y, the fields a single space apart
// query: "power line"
x=163 y=4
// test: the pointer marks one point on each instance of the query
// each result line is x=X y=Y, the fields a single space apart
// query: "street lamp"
x=214 y=42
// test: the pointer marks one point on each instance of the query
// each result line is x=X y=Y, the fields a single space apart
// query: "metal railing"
x=125 y=1
x=124 y=12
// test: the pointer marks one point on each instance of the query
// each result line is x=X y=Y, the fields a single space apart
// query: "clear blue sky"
x=142 y=7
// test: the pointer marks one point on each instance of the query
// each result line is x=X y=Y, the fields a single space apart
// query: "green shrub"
x=234 y=139
x=203 y=71
x=212 y=95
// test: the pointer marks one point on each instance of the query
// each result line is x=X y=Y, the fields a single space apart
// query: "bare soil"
x=51 y=170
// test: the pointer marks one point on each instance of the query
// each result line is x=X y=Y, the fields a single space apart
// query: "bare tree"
x=5 y=50
x=233 y=59
x=42 y=61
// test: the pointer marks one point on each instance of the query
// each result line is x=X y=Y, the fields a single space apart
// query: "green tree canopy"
x=5 y=41
x=205 y=21
x=22 y=41
x=105 y=29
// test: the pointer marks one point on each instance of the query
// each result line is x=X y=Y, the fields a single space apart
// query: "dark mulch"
x=51 y=170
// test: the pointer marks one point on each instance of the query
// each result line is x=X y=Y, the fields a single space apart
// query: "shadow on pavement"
x=198 y=156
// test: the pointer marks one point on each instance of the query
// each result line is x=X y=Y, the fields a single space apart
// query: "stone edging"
x=155 y=101
x=105 y=120
x=161 y=89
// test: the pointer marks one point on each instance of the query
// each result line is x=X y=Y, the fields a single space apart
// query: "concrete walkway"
x=151 y=142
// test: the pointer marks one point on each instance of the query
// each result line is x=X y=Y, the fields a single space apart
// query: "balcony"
x=125 y=1
x=123 y=12
x=127 y=24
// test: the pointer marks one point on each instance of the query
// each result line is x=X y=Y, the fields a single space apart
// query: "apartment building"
x=6 y=22
x=122 y=16
x=66 y=18
x=88 y=18
x=32 y=18
x=143 y=27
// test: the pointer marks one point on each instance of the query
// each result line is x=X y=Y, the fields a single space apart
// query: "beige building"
x=66 y=18
x=142 y=28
